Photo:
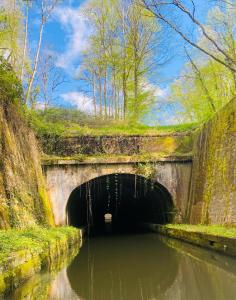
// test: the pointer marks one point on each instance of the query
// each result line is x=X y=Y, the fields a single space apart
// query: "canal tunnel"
x=125 y=200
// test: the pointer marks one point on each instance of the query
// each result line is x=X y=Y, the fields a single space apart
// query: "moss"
x=213 y=169
x=34 y=239
x=25 y=252
x=2 y=283
x=24 y=200
x=52 y=159
x=217 y=230
x=145 y=169
x=46 y=206
x=169 y=144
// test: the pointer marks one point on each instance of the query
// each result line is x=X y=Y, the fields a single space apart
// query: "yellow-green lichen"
x=214 y=156
x=25 y=252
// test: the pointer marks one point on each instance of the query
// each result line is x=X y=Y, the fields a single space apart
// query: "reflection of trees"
x=123 y=267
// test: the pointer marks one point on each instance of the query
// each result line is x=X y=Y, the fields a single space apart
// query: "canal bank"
x=214 y=237
x=136 y=266
x=24 y=253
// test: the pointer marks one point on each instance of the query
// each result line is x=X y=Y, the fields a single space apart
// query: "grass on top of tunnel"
x=44 y=124
x=35 y=240
x=228 y=231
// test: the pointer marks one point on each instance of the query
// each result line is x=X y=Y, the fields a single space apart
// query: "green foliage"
x=218 y=230
x=205 y=85
x=10 y=34
x=10 y=86
x=71 y=122
x=193 y=97
x=117 y=65
x=34 y=239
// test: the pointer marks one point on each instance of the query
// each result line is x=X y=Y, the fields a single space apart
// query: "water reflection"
x=137 y=267
x=123 y=267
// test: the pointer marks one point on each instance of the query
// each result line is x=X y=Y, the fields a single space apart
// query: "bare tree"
x=46 y=8
x=202 y=82
x=160 y=9
x=25 y=40
x=49 y=79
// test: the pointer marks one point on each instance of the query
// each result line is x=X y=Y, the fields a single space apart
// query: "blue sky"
x=66 y=36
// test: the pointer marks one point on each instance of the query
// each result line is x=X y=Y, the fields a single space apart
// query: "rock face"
x=213 y=192
x=23 y=197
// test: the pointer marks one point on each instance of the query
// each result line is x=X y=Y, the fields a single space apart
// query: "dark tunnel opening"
x=123 y=200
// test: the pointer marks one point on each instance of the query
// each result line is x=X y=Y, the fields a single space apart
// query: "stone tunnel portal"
x=124 y=199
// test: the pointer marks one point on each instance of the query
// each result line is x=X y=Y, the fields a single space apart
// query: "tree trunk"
x=94 y=95
x=25 y=43
x=105 y=92
x=124 y=86
x=31 y=81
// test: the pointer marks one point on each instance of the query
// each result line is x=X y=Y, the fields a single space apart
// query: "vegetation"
x=10 y=86
x=120 y=55
x=205 y=86
x=208 y=79
x=71 y=122
x=35 y=239
x=218 y=230
x=124 y=47
x=15 y=45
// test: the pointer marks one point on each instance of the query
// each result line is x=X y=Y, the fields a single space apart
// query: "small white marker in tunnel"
x=108 y=218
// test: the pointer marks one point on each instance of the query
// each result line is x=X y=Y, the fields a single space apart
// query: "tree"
x=10 y=33
x=202 y=89
x=49 y=79
x=119 y=57
x=25 y=40
x=46 y=8
x=141 y=36
x=161 y=10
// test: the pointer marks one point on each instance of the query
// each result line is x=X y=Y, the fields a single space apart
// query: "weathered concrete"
x=221 y=244
x=213 y=190
x=62 y=178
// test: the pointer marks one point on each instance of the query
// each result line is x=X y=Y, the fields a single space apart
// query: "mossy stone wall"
x=213 y=190
x=166 y=144
x=23 y=197
x=49 y=252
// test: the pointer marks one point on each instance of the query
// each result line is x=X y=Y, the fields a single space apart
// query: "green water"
x=137 y=267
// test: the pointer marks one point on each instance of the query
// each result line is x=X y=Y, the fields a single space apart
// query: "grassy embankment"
x=35 y=240
x=69 y=122
x=217 y=230
x=23 y=253
x=220 y=238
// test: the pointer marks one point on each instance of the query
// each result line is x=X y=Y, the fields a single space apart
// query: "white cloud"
x=77 y=31
x=160 y=94
x=40 y=105
x=81 y=101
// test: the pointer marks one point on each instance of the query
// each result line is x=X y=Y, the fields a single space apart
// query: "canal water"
x=143 y=266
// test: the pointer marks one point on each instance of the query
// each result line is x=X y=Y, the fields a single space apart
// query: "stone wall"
x=213 y=191
x=23 y=197
x=167 y=144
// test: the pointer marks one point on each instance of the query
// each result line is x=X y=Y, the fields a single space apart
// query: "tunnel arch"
x=129 y=198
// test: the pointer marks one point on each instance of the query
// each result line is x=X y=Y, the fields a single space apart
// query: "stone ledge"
x=220 y=244
x=114 y=160
x=23 y=264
